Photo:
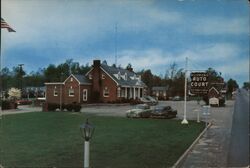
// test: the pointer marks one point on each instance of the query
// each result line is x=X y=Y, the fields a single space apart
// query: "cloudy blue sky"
x=151 y=34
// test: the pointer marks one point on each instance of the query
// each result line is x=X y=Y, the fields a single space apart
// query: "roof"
x=213 y=88
x=131 y=81
x=160 y=88
x=82 y=79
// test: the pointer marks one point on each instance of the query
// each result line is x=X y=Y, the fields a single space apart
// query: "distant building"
x=102 y=83
x=160 y=92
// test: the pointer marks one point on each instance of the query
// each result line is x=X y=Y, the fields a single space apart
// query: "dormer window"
x=119 y=76
x=71 y=79
x=134 y=76
x=126 y=76
x=103 y=76
x=139 y=78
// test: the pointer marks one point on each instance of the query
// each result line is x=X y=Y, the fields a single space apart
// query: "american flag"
x=5 y=25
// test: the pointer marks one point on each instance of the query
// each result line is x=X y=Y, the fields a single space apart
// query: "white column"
x=86 y=154
x=130 y=91
x=134 y=93
x=126 y=92
x=139 y=89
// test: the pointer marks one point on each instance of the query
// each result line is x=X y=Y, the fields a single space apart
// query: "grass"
x=47 y=139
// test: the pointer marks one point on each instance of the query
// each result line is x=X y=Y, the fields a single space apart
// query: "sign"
x=199 y=83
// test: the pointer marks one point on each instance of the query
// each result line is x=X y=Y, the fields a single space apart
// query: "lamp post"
x=87 y=131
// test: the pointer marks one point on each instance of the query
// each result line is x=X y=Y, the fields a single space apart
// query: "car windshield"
x=160 y=108
x=142 y=106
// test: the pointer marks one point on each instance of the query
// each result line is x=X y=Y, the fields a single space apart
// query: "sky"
x=149 y=34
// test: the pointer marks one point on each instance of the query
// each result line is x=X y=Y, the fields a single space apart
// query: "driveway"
x=21 y=109
x=120 y=110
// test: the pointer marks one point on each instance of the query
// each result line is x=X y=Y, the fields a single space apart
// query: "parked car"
x=149 y=100
x=177 y=98
x=145 y=101
x=164 y=112
x=214 y=101
x=152 y=100
x=141 y=111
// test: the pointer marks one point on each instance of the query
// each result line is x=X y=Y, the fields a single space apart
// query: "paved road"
x=239 y=145
x=212 y=149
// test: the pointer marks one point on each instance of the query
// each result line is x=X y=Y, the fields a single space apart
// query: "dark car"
x=164 y=112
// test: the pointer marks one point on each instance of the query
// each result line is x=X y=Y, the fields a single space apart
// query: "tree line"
x=18 y=77
x=173 y=78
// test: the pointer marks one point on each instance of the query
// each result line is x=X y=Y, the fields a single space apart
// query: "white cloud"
x=221 y=26
x=200 y=58
x=64 y=22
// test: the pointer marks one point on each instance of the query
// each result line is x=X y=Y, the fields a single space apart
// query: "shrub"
x=77 y=107
x=69 y=107
x=6 y=104
x=53 y=106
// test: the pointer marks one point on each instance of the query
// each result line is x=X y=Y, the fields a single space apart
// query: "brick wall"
x=50 y=93
x=111 y=85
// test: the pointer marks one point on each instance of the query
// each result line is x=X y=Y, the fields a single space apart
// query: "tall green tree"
x=231 y=86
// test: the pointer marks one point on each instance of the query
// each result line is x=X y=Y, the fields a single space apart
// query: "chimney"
x=96 y=63
x=130 y=69
x=96 y=75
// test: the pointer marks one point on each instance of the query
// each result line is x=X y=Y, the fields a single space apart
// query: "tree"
x=14 y=93
x=246 y=85
x=231 y=86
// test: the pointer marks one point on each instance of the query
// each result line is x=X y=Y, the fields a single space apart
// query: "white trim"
x=54 y=83
x=215 y=90
x=89 y=71
x=71 y=81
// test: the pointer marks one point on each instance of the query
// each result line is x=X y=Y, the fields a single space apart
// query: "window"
x=85 y=95
x=106 y=92
x=119 y=75
x=103 y=76
x=126 y=76
x=71 y=79
x=55 y=92
x=71 y=92
x=90 y=76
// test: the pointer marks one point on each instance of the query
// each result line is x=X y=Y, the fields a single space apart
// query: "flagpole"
x=184 y=121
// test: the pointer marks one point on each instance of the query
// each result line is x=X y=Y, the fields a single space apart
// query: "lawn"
x=52 y=139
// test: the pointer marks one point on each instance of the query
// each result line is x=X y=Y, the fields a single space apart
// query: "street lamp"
x=87 y=131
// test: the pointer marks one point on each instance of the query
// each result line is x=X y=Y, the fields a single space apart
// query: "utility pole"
x=21 y=77
x=184 y=121
x=115 y=43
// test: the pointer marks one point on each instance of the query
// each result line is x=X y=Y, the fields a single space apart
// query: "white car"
x=141 y=111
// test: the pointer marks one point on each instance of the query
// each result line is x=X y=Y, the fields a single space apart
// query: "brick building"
x=102 y=83
x=160 y=92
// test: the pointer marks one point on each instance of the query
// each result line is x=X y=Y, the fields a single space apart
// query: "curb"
x=179 y=162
